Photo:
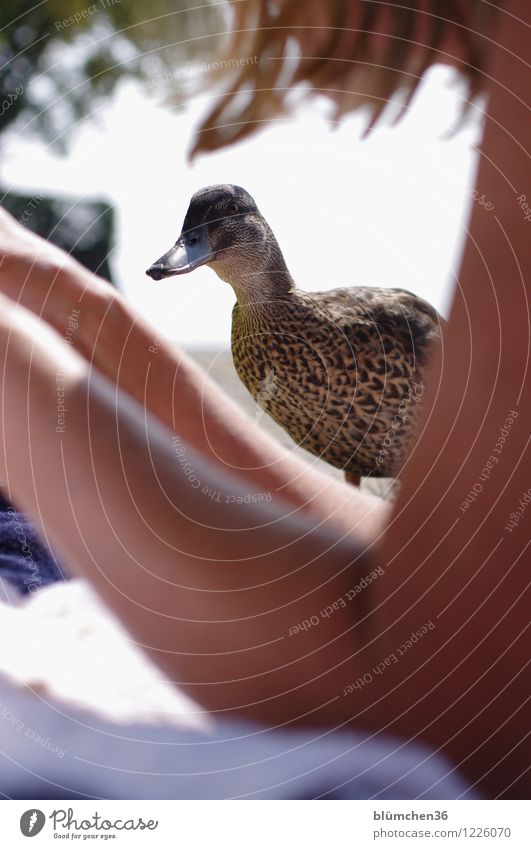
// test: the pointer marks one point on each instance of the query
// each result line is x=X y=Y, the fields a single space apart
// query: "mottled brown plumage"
x=341 y=371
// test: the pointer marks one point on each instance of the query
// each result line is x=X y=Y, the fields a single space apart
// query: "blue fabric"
x=77 y=754
x=24 y=559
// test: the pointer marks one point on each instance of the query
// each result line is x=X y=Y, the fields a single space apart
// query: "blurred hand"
x=28 y=263
x=42 y=277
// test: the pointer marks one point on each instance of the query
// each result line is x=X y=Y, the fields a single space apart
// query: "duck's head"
x=224 y=229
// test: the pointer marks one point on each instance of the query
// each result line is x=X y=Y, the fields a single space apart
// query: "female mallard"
x=341 y=371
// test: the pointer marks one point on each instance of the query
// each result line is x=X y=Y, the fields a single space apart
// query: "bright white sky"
x=387 y=211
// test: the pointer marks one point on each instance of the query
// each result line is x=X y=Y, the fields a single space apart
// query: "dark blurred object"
x=59 y=58
x=25 y=561
x=84 y=229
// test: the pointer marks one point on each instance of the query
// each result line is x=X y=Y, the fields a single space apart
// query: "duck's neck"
x=257 y=273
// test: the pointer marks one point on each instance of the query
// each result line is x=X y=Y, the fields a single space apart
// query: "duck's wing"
x=382 y=314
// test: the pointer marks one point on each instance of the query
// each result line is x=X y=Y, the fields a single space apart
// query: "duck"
x=343 y=370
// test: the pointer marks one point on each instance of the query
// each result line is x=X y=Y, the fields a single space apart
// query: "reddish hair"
x=356 y=52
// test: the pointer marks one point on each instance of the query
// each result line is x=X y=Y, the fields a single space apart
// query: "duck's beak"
x=189 y=251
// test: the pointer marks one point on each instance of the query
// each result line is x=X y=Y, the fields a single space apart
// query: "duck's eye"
x=193 y=239
x=232 y=207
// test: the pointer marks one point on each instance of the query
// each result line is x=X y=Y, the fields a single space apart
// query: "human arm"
x=453 y=556
x=211 y=588
x=120 y=344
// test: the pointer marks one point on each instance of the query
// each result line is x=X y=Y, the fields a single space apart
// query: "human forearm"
x=211 y=588
x=125 y=348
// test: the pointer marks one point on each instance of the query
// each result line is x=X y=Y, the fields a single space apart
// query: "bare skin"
x=215 y=589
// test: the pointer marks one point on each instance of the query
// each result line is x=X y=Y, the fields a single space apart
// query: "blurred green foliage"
x=50 y=88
